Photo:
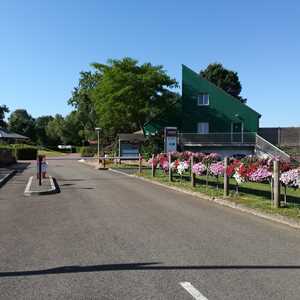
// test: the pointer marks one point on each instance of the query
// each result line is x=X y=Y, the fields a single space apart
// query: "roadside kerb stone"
x=222 y=201
x=53 y=188
x=6 y=177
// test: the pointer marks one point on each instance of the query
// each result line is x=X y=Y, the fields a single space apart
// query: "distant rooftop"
x=5 y=134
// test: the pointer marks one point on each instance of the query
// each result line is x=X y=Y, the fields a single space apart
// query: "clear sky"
x=46 y=43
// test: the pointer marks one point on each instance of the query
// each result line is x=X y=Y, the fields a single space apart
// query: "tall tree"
x=41 y=124
x=20 y=121
x=71 y=130
x=81 y=100
x=3 y=110
x=54 y=130
x=129 y=94
x=227 y=80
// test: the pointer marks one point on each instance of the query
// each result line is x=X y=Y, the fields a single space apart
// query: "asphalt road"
x=108 y=236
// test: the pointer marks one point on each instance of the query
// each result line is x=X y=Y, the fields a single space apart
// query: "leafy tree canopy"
x=3 y=109
x=54 y=130
x=41 y=124
x=129 y=94
x=20 y=121
x=81 y=100
x=225 y=79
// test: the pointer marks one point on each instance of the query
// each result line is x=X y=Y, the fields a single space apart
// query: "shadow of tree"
x=154 y=266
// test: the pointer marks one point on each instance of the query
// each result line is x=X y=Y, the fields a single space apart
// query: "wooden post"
x=226 y=179
x=40 y=158
x=152 y=166
x=193 y=181
x=140 y=164
x=276 y=184
x=170 y=169
x=285 y=200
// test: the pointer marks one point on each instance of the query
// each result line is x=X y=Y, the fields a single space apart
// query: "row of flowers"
x=250 y=168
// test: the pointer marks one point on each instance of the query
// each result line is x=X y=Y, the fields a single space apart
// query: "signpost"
x=170 y=139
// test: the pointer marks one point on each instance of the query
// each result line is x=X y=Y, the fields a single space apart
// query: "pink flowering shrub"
x=217 y=169
x=199 y=168
x=291 y=178
x=260 y=174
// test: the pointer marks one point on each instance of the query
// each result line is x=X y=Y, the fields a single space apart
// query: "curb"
x=221 y=201
x=53 y=190
x=7 y=177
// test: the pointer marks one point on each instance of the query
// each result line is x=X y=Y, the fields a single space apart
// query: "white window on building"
x=203 y=127
x=203 y=99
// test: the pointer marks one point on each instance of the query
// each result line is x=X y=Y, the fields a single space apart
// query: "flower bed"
x=248 y=169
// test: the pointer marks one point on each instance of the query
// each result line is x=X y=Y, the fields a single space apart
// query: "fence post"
x=152 y=166
x=226 y=179
x=140 y=164
x=276 y=184
x=170 y=169
x=192 y=173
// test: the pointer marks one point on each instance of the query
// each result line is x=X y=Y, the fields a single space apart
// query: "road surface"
x=108 y=236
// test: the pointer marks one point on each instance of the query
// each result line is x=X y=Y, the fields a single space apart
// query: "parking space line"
x=192 y=291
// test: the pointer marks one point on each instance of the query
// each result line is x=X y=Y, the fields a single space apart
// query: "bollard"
x=226 y=179
x=140 y=164
x=276 y=184
x=192 y=173
x=170 y=169
x=152 y=166
x=40 y=159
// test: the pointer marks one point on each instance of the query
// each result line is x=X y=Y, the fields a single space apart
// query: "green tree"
x=82 y=101
x=20 y=121
x=41 y=124
x=225 y=79
x=54 y=130
x=129 y=94
x=3 y=110
x=71 y=129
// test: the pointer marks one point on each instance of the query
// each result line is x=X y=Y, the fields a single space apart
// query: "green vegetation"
x=50 y=153
x=21 y=151
x=252 y=195
x=129 y=94
x=88 y=151
x=225 y=79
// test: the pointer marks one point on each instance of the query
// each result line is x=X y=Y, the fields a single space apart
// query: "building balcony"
x=233 y=139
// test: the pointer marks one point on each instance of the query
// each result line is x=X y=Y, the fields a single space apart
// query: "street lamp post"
x=98 y=134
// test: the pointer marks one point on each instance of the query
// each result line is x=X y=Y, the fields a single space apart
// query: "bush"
x=6 y=156
x=153 y=145
x=88 y=151
x=25 y=152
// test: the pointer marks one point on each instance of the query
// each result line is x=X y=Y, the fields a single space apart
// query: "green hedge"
x=25 y=152
x=88 y=151
x=21 y=151
x=7 y=156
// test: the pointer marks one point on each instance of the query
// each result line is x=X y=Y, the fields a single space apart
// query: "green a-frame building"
x=210 y=119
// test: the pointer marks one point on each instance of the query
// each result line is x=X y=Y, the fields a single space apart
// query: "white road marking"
x=27 y=189
x=192 y=290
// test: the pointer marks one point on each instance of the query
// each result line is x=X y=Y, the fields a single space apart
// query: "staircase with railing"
x=262 y=146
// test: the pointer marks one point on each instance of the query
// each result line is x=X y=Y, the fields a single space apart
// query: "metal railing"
x=223 y=138
x=268 y=148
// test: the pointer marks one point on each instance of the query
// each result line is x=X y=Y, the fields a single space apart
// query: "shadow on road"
x=155 y=266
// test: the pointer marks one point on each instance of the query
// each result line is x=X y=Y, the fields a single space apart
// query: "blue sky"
x=45 y=44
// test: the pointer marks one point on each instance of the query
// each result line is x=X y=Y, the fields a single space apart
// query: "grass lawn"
x=253 y=195
x=50 y=153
